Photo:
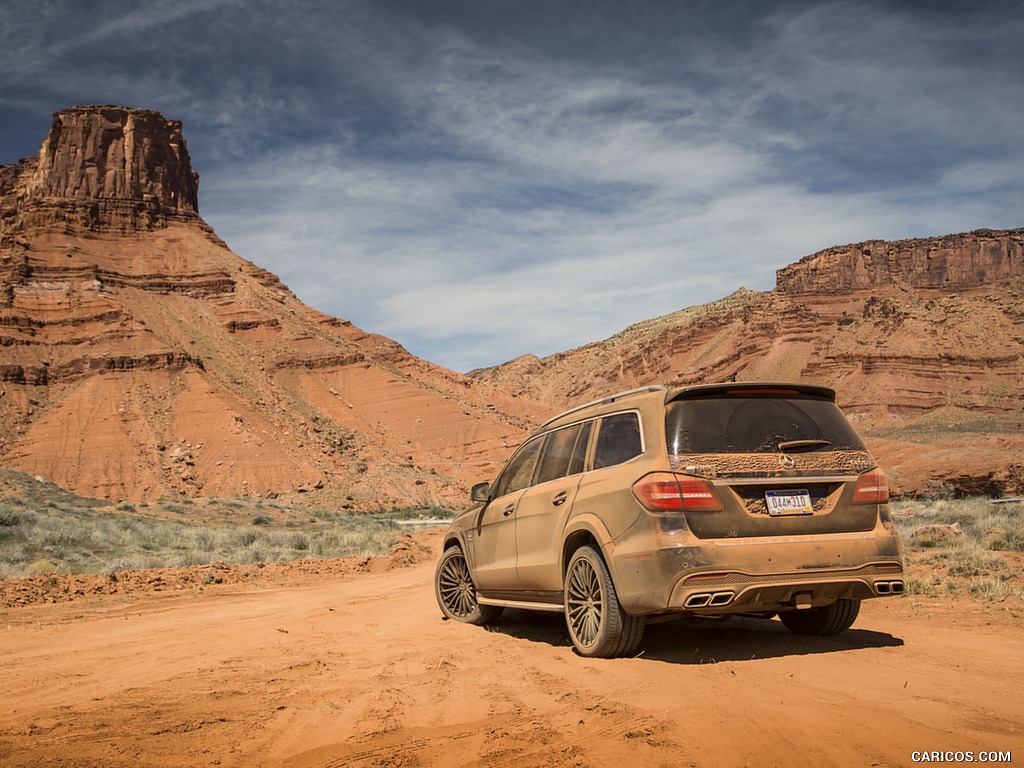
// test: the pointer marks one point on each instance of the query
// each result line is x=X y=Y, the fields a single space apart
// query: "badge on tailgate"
x=788 y=503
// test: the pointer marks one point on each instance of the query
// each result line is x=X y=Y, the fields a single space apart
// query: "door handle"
x=559 y=499
x=508 y=510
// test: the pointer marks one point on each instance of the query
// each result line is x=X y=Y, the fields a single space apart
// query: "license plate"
x=788 y=503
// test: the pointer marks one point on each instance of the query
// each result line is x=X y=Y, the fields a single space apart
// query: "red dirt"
x=354 y=666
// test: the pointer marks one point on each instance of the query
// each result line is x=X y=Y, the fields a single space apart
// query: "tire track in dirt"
x=359 y=670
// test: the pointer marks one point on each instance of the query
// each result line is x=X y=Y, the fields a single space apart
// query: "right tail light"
x=872 y=488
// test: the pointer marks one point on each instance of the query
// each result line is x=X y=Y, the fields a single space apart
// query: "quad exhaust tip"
x=718 y=599
x=889 y=587
x=709 y=599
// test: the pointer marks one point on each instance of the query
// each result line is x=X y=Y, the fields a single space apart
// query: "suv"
x=740 y=498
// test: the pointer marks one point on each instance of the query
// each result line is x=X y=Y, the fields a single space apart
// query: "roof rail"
x=604 y=401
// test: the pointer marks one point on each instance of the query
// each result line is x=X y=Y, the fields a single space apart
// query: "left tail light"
x=662 y=492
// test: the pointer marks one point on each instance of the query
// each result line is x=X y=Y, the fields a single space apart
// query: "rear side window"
x=756 y=425
x=579 y=453
x=618 y=440
x=564 y=452
x=519 y=471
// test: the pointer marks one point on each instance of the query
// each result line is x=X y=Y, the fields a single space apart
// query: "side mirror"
x=480 y=491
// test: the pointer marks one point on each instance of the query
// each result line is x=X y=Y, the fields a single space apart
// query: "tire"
x=456 y=593
x=598 y=626
x=827 y=620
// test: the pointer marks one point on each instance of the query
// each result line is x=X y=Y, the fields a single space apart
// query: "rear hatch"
x=783 y=459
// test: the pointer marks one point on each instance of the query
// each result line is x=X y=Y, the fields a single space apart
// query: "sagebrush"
x=64 y=537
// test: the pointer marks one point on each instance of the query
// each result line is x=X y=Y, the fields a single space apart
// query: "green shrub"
x=10 y=518
x=248 y=538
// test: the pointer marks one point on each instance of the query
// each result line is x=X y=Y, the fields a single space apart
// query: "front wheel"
x=826 y=620
x=456 y=593
x=598 y=625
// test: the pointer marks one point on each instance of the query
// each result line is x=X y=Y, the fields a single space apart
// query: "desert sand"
x=354 y=666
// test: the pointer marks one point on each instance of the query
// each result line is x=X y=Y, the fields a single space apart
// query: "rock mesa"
x=140 y=357
x=922 y=339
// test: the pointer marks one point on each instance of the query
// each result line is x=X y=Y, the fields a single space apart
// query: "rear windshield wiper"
x=802 y=445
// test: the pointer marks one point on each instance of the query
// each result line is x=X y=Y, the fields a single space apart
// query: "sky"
x=484 y=179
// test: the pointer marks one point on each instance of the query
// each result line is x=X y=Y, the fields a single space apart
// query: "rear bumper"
x=755 y=575
x=736 y=592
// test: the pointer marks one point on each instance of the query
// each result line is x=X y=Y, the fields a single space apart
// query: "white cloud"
x=479 y=187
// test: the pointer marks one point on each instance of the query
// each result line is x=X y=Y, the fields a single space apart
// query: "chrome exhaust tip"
x=889 y=587
x=709 y=599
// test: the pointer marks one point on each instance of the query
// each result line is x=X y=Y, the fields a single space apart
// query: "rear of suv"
x=741 y=498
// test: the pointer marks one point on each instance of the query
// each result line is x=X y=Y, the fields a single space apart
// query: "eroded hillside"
x=923 y=340
x=140 y=357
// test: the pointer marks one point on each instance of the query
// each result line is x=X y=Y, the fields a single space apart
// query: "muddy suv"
x=747 y=498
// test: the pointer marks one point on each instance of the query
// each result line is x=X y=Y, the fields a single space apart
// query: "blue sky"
x=479 y=180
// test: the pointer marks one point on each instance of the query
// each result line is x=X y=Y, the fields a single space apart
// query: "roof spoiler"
x=752 y=389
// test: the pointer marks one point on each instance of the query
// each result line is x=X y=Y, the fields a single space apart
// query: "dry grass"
x=44 y=529
x=980 y=554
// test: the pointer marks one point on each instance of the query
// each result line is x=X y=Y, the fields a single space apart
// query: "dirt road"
x=360 y=670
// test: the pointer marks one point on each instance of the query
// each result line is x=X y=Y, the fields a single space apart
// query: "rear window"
x=756 y=425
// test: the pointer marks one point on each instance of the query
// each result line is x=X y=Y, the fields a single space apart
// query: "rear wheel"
x=455 y=592
x=826 y=620
x=598 y=625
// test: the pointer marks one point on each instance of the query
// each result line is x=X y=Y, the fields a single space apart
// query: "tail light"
x=665 y=492
x=871 y=488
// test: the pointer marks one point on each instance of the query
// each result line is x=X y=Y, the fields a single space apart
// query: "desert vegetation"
x=46 y=530
x=970 y=546
x=967 y=546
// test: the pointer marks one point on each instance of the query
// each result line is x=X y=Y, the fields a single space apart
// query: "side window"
x=519 y=471
x=558 y=453
x=618 y=440
x=579 y=452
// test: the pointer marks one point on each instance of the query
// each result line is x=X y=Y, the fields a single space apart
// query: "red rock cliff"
x=108 y=168
x=922 y=339
x=952 y=262
x=140 y=357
